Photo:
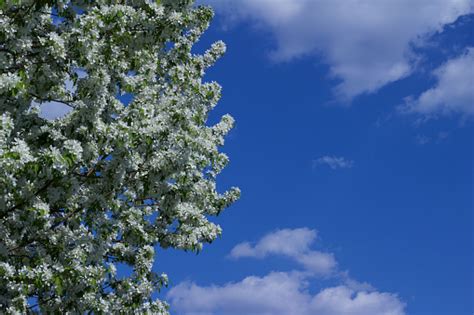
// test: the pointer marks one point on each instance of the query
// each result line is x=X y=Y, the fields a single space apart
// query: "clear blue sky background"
x=399 y=217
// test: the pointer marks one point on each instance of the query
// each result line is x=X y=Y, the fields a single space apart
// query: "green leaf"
x=58 y=283
x=69 y=159
x=11 y=155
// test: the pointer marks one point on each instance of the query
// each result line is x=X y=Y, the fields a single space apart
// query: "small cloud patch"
x=333 y=162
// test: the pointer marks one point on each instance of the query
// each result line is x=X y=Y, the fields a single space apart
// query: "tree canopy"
x=108 y=183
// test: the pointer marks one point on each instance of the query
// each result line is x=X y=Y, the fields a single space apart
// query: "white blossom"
x=78 y=193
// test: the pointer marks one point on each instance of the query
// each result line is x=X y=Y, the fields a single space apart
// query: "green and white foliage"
x=106 y=183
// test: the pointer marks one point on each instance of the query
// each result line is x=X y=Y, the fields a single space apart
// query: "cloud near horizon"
x=284 y=293
x=367 y=44
x=280 y=293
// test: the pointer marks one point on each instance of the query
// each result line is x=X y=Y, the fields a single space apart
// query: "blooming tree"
x=107 y=183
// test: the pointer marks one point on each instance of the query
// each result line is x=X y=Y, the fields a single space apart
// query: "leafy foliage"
x=107 y=183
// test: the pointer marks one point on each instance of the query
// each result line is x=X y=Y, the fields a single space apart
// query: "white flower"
x=107 y=183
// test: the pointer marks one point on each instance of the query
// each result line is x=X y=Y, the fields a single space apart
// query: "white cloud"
x=333 y=162
x=276 y=293
x=366 y=43
x=318 y=262
x=343 y=300
x=454 y=91
x=293 y=243
x=285 y=293
x=290 y=242
x=280 y=293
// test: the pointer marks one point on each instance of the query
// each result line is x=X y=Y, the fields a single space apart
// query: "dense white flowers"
x=107 y=183
x=8 y=81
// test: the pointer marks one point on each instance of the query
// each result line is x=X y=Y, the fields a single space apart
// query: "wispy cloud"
x=435 y=138
x=290 y=242
x=453 y=92
x=367 y=44
x=294 y=244
x=333 y=162
x=422 y=139
x=283 y=293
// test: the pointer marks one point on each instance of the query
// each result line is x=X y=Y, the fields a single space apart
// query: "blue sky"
x=353 y=150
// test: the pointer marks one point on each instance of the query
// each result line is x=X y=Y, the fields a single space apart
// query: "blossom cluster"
x=109 y=183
